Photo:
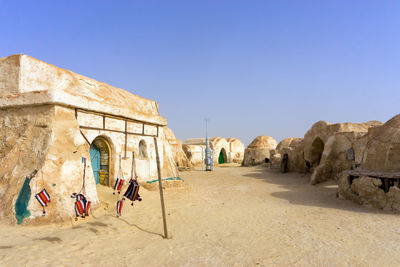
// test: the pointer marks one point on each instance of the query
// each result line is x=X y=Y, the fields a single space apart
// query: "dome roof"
x=263 y=141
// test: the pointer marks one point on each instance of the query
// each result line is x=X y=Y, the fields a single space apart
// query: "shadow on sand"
x=298 y=191
x=138 y=227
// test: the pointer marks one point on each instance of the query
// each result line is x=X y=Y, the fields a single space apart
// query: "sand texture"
x=234 y=216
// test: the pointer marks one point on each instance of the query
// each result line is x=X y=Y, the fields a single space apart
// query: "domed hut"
x=258 y=150
x=291 y=149
x=64 y=116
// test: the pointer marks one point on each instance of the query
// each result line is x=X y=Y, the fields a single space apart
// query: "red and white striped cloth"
x=43 y=197
x=119 y=183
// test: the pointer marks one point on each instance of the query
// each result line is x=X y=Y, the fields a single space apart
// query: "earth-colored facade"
x=180 y=157
x=65 y=116
x=326 y=147
x=294 y=149
x=225 y=150
x=258 y=150
x=376 y=180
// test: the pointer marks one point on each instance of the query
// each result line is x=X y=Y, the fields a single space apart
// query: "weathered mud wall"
x=258 y=150
x=179 y=155
x=293 y=147
x=343 y=151
x=232 y=150
x=52 y=131
x=55 y=132
x=368 y=191
x=236 y=148
x=382 y=151
x=316 y=138
x=220 y=145
x=37 y=82
x=194 y=154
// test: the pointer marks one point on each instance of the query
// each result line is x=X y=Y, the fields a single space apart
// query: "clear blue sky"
x=253 y=67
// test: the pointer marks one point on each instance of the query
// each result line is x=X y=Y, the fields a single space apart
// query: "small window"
x=142 y=150
x=350 y=154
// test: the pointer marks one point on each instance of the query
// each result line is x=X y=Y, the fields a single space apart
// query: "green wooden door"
x=220 y=158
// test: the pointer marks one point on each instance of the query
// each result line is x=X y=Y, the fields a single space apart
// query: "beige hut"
x=293 y=149
x=326 y=163
x=258 y=150
x=225 y=150
x=67 y=116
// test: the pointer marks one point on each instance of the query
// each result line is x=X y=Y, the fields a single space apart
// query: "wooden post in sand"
x=161 y=189
x=133 y=168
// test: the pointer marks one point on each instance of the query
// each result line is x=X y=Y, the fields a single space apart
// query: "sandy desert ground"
x=234 y=216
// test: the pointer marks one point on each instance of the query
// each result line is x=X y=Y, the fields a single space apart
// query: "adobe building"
x=259 y=150
x=326 y=146
x=292 y=149
x=66 y=116
x=225 y=150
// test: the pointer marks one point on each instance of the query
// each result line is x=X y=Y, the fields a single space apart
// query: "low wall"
x=370 y=191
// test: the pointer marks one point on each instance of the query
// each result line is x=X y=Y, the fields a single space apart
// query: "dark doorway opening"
x=222 y=156
x=317 y=149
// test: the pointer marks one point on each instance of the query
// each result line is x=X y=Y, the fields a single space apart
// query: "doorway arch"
x=100 y=152
x=317 y=148
x=222 y=158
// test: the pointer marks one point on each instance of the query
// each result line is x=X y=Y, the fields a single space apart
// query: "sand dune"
x=234 y=216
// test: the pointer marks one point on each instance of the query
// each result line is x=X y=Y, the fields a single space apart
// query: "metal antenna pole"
x=206 y=126
x=207 y=152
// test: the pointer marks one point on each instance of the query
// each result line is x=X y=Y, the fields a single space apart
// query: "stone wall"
x=368 y=191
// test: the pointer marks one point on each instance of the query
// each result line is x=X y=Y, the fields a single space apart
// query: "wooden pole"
x=161 y=189
x=133 y=167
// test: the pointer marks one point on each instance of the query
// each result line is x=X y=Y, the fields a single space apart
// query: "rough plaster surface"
x=382 y=152
x=25 y=80
x=365 y=190
x=37 y=113
x=233 y=147
x=258 y=150
x=294 y=148
x=54 y=132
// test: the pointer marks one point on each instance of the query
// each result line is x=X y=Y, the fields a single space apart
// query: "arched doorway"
x=317 y=148
x=100 y=160
x=222 y=158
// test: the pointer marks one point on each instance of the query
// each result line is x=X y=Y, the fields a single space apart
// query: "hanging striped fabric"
x=119 y=183
x=43 y=197
x=119 y=206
